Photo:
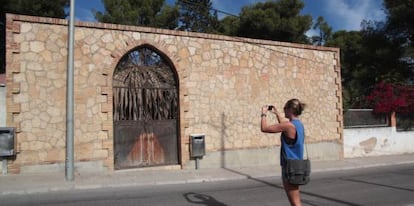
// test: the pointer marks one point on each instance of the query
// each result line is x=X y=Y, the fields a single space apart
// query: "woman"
x=292 y=139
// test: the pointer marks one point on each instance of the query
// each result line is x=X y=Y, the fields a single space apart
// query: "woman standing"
x=292 y=139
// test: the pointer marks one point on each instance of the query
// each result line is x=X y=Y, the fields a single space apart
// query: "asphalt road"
x=373 y=186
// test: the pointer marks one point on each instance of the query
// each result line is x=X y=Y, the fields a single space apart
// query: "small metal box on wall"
x=198 y=145
x=7 y=141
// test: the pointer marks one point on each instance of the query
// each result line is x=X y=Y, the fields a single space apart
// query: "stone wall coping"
x=98 y=25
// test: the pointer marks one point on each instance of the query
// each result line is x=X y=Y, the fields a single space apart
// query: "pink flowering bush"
x=387 y=98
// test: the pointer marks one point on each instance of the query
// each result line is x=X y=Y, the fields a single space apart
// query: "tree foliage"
x=380 y=52
x=167 y=18
x=400 y=25
x=229 y=25
x=151 y=13
x=383 y=56
x=197 y=16
x=275 y=20
x=367 y=58
x=325 y=32
x=350 y=44
x=46 y=8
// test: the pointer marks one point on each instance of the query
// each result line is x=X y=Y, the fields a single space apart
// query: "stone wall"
x=223 y=82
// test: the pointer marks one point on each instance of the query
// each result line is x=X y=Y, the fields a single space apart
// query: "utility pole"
x=69 y=167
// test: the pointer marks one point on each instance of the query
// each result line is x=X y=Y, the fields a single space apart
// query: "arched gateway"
x=145 y=110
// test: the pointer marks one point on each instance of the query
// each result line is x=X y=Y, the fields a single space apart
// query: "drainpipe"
x=69 y=171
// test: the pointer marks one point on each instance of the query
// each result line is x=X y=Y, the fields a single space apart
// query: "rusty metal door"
x=145 y=114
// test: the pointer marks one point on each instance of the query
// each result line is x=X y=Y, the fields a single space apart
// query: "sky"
x=340 y=14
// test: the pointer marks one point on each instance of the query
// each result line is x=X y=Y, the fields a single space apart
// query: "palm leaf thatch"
x=144 y=87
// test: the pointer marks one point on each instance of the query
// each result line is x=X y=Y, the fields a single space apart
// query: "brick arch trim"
x=106 y=90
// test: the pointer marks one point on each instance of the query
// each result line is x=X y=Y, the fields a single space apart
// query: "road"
x=372 y=186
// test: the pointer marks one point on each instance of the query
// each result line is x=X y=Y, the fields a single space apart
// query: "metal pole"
x=69 y=97
x=197 y=163
x=4 y=166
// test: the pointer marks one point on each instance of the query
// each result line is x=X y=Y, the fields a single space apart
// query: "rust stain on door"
x=146 y=149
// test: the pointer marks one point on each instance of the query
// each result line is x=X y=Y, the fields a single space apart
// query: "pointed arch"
x=145 y=109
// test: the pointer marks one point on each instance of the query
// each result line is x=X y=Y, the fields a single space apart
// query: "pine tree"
x=275 y=20
x=151 y=13
x=197 y=16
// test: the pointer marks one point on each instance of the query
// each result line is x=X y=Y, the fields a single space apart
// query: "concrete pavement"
x=48 y=181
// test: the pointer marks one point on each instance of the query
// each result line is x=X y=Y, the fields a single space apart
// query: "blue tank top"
x=293 y=148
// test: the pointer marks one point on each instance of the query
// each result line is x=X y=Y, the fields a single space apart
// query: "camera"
x=270 y=107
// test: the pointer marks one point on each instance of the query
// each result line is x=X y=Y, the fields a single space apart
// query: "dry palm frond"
x=144 y=87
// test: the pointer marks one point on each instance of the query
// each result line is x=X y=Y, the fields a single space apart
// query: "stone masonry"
x=223 y=82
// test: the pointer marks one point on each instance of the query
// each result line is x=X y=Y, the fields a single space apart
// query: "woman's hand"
x=264 y=109
x=274 y=109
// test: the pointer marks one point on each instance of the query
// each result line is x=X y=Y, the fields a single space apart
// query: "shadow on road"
x=377 y=184
x=202 y=199
x=302 y=192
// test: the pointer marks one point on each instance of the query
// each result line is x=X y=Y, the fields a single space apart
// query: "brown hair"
x=295 y=106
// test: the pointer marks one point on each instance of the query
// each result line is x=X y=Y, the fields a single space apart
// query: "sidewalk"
x=46 y=182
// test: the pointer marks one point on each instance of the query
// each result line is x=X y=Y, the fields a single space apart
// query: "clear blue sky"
x=340 y=14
